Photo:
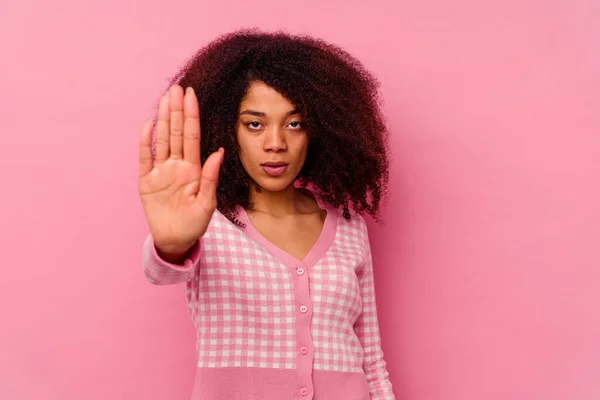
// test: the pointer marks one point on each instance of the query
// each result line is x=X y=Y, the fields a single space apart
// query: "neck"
x=283 y=202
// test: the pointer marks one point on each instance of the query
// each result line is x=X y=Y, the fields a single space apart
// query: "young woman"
x=269 y=148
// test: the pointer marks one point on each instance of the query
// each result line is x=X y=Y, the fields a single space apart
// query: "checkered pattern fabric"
x=242 y=301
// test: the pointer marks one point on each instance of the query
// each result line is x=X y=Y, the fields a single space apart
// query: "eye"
x=251 y=126
x=254 y=125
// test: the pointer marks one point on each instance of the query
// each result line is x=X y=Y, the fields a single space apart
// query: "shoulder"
x=221 y=225
x=355 y=227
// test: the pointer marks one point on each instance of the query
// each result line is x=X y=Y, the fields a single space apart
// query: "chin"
x=273 y=184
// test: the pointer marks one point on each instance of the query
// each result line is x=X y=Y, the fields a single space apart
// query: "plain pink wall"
x=487 y=270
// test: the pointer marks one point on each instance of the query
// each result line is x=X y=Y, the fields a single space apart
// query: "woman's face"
x=272 y=140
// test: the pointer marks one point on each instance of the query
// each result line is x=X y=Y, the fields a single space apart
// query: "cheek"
x=303 y=145
x=248 y=151
x=242 y=148
x=242 y=141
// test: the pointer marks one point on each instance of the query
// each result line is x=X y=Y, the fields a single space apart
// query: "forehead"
x=262 y=97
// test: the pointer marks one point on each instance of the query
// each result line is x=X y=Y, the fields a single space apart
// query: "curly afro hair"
x=347 y=159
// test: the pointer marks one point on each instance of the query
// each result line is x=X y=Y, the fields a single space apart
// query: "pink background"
x=487 y=270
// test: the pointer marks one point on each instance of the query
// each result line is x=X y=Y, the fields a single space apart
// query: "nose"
x=275 y=140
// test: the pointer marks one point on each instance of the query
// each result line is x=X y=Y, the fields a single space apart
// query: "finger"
x=146 y=149
x=176 y=106
x=191 y=127
x=210 y=175
x=162 y=130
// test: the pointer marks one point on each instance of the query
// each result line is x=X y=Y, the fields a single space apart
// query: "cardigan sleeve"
x=161 y=272
x=367 y=330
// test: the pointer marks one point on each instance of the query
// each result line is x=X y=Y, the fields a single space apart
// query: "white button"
x=303 y=309
x=300 y=271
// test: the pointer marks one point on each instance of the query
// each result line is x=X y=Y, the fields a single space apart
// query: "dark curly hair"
x=347 y=158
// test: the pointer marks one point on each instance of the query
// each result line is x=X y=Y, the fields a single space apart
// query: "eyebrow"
x=262 y=114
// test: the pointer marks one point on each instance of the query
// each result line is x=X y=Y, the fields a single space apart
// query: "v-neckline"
x=316 y=252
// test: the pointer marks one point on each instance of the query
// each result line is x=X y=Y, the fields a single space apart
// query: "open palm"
x=177 y=192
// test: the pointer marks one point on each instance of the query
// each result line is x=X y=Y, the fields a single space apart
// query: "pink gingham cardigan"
x=272 y=327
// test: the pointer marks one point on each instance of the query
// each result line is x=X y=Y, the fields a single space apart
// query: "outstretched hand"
x=177 y=192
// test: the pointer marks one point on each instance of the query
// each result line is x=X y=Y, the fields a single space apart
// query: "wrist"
x=173 y=254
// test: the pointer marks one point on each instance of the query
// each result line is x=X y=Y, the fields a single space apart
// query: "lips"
x=274 y=169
